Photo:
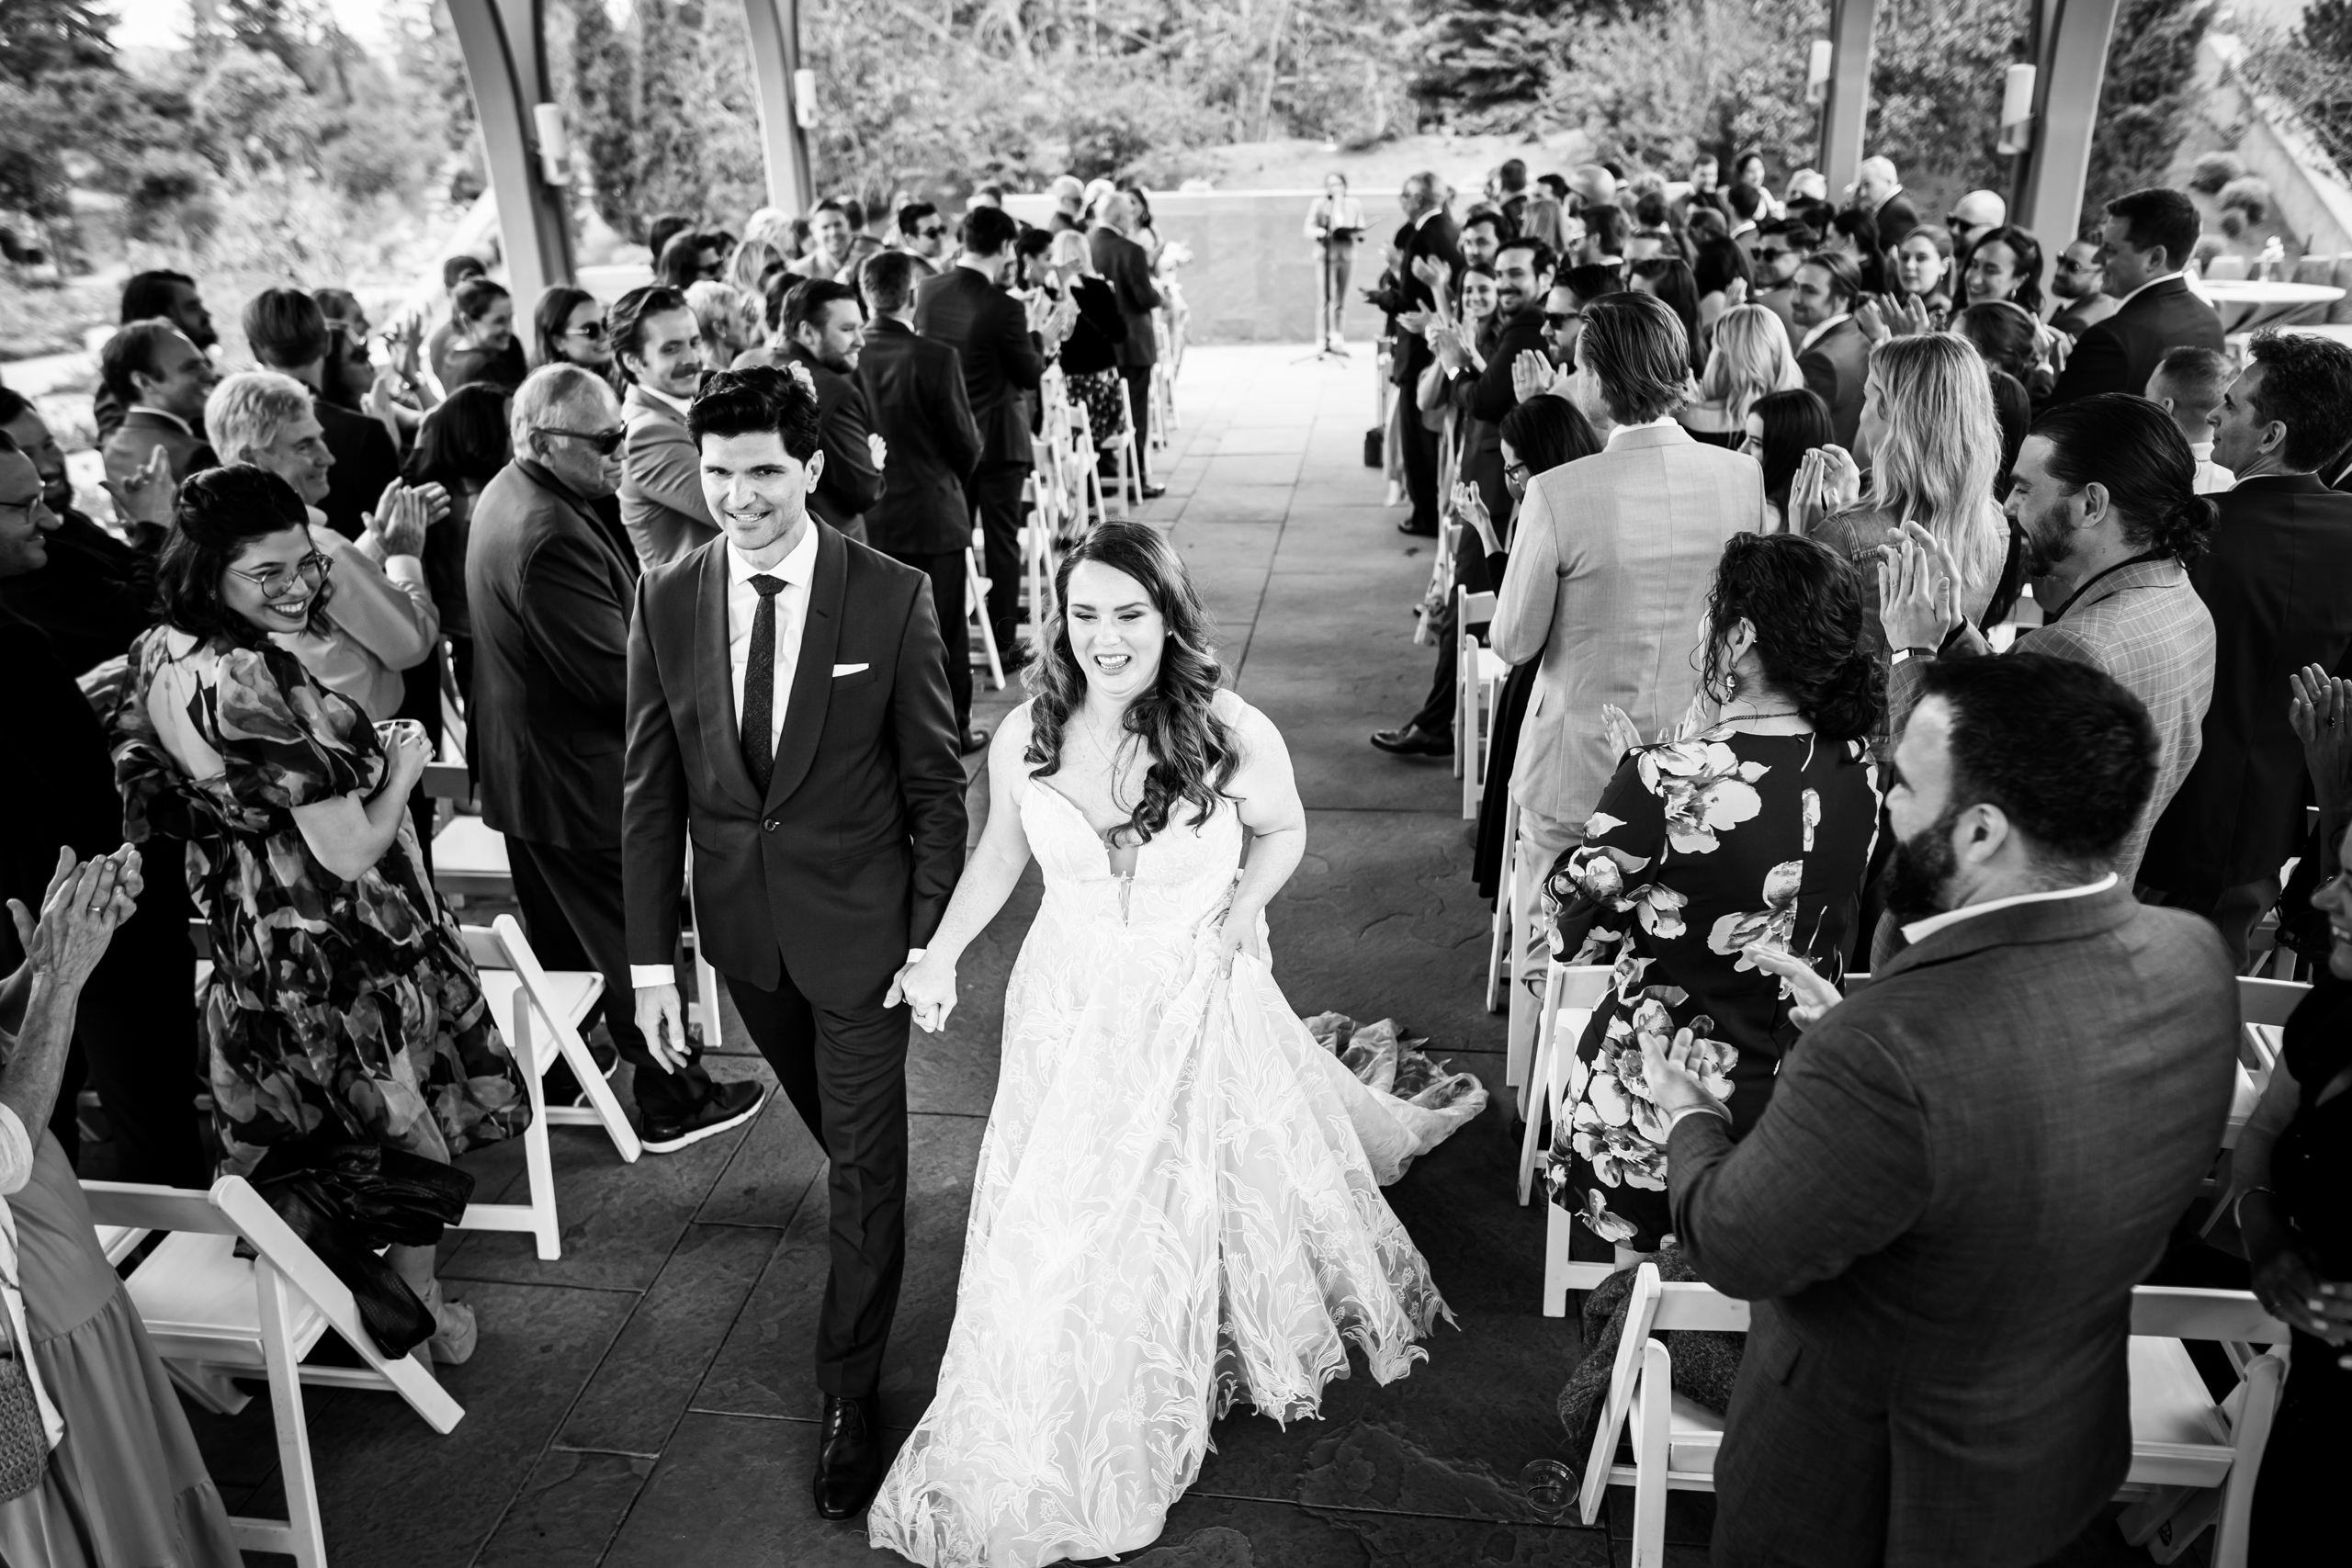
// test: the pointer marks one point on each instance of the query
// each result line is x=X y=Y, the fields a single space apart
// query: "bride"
x=1177 y=1203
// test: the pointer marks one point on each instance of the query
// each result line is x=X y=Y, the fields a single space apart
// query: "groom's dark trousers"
x=808 y=895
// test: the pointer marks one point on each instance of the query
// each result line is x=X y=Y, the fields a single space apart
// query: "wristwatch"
x=1902 y=653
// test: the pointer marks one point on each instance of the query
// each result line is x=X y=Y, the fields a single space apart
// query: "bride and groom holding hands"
x=1177 y=1204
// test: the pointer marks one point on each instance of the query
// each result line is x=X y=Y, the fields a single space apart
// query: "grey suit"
x=661 y=504
x=1609 y=574
x=1965 y=1168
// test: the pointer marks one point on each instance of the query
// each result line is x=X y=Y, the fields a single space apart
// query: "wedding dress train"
x=1177 y=1207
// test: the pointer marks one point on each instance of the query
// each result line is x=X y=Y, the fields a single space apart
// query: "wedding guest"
x=1928 y=431
x=828 y=254
x=362 y=1021
x=1747 y=172
x=1780 y=248
x=160 y=379
x=965 y=308
x=1723 y=278
x=137 y=1031
x=483 y=344
x=1127 y=267
x=922 y=232
x=2112 y=531
x=146 y=297
x=914 y=388
x=379 y=620
x=2188 y=385
x=2149 y=237
x=689 y=258
x=288 y=332
x=1608 y=567
x=823 y=330
x=1978 y=212
x=1751 y=357
x=455 y=271
x=1781 y=429
x=658 y=365
x=2010 y=343
x=1854 y=235
x=120 y=1477
x=1669 y=279
x=1089 y=354
x=731 y=321
x=551 y=598
x=461 y=446
x=568 y=327
x=2282 y=549
x=1910 y=1157
x=2002 y=264
x=1832 y=353
x=95 y=592
x=2081 y=282
x=1755 y=832
x=1879 y=194
x=1482 y=235
x=1923 y=273
x=1524 y=271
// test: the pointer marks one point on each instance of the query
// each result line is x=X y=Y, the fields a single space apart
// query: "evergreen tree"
x=603 y=110
x=2143 y=102
x=42 y=37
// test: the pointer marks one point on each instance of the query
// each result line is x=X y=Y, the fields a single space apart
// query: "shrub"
x=2214 y=170
x=2249 y=194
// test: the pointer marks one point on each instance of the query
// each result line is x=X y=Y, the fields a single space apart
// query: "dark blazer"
x=1440 y=236
x=2119 y=353
x=2274 y=578
x=549 y=597
x=1098 y=334
x=1494 y=397
x=989 y=333
x=93 y=597
x=365 y=460
x=1896 y=216
x=1965 y=1168
x=141 y=432
x=851 y=483
x=1126 y=268
x=914 y=391
x=1836 y=367
x=849 y=859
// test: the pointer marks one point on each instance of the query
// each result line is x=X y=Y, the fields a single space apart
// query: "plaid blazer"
x=2143 y=624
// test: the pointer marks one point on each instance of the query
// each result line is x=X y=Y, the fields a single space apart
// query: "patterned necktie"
x=759 y=686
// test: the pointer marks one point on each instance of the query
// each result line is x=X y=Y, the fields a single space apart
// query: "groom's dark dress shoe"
x=849 y=1456
x=729 y=1105
x=1414 y=741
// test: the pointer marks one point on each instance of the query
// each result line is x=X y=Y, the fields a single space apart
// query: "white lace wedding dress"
x=1178 y=1206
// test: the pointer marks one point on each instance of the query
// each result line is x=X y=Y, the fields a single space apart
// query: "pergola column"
x=505 y=57
x=1849 y=105
x=2072 y=62
x=774 y=28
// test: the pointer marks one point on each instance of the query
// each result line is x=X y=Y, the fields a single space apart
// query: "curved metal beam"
x=1844 y=115
x=774 y=27
x=506 y=63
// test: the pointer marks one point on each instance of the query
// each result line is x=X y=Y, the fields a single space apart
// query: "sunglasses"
x=2066 y=263
x=592 y=330
x=604 y=442
x=932 y=232
x=1772 y=252
x=1562 y=318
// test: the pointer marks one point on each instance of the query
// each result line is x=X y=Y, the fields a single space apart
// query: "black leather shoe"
x=729 y=1105
x=1153 y=492
x=1414 y=741
x=849 y=1456
x=975 y=738
x=1406 y=528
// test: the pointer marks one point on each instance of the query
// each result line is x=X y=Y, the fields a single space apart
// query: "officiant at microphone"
x=790 y=718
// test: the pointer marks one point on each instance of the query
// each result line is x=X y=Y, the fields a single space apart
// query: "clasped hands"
x=1665 y=1064
x=80 y=910
x=1827 y=480
x=1918 y=589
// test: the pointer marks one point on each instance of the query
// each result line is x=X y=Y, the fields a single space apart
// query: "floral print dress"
x=1701 y=848
x=341 y=1011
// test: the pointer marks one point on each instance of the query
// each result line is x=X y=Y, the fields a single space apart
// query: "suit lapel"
x=812 y=678
x=722 y=731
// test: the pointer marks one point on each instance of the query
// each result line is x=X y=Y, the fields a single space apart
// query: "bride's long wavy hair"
x=1193 y=754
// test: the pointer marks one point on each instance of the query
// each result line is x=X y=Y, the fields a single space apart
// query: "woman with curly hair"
x=1178 y=1203
x=1752 y=834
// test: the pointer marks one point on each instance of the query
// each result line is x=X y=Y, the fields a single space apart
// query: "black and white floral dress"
x=1699 y=848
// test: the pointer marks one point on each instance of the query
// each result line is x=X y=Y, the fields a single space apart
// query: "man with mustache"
x=1967 y=1164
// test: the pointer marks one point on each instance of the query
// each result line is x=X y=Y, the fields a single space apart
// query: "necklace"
x=1757 y=717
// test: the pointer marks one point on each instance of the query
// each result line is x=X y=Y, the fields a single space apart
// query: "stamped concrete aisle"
x=645 y=1401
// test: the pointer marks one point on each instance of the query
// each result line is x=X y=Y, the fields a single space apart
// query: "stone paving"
x=646 y=1401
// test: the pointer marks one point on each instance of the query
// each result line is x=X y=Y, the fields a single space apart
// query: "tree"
x=601 y=101
x=2143 y=105
x=1484 y=62
x=40 y=38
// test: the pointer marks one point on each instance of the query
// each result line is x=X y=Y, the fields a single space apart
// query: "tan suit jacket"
x=1609 y=567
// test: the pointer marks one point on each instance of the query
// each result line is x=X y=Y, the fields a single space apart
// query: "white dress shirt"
x=162 y=414
x=1658 y=424
x=2211 y=478
x=1919 y=931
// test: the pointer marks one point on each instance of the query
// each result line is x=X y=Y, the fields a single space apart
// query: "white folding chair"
x=1502 y=964
x=976 y=613
x=539 y=1011
x=214 y=1316
x=2194 y=1461
x=469 y=855
x=1570 y=992
x=1481 y=671
x=1440 y=593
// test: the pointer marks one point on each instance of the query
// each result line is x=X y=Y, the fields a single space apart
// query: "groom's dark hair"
x=743 y=402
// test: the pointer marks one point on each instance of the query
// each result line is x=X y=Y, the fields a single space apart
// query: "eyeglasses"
x=1515 y=471
x=592 y=330
x=277 y=582
x=606 y=442
x=2068 y=264
x=31 y=509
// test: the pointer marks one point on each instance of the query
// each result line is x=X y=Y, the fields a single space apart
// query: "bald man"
x=1877 y=190
x=1978 y=212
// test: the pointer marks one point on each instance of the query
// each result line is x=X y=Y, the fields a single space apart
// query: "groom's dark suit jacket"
x=849 y=859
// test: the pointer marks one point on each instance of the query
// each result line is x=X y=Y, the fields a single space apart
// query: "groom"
x=789 y=715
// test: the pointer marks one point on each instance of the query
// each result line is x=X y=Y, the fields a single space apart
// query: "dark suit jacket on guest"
x=2119 y=353
x=144 y=429
x=1837 y=368
x=550 y=599
x=1436 y=235
x=1896 y=216
x=851 y=483
x=365 y=460
x=1127 y=269
x=93 y=597
x=1965 y=1168
x=989 y=333
x=848 y=860
x=2274 y=578
x=914 y=391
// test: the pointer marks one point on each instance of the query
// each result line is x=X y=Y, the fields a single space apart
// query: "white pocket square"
x=841 y=670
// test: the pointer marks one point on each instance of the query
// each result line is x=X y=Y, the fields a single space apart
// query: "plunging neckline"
x=1110 y=851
